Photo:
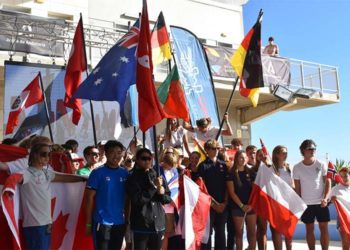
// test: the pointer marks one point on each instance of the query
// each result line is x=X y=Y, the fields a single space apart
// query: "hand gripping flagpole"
x=87 y=74
x=226 y=110
x=46 y=109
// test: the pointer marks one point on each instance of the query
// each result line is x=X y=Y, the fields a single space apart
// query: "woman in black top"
x=239 y=187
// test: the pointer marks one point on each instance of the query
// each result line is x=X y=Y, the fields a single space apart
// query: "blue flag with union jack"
x=115 y=73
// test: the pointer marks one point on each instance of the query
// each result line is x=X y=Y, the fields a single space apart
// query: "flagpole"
x=87 y=74
x=227 y=107
x=156 y=158
x=143 y=139
x=46 y=109
x=134 y=139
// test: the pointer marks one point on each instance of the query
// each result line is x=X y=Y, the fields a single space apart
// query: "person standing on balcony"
x=272 y=48
x=313 y=186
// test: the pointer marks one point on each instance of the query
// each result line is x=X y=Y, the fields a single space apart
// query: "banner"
x=194 y=76
x=33 y=119
x=219 y=60
x=17 y=34
x=276 y=69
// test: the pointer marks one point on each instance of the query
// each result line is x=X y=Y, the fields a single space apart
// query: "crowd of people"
x=129 y=203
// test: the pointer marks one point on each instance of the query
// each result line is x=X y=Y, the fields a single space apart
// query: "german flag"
x=160 y=42
x=246 y=61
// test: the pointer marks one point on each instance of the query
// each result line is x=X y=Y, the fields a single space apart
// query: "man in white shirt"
x=313 y=186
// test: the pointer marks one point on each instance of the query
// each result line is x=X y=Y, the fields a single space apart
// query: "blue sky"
x=317 y=31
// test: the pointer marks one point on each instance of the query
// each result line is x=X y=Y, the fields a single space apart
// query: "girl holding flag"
x=340 y=197
x=170 y=174
x=281 y=168
x=239 y=188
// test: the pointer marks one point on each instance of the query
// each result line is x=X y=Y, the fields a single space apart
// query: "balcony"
x=290 y=73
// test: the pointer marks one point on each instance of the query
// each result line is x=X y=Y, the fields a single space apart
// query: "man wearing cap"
x=313 y=186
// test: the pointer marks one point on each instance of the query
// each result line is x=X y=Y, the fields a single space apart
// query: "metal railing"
x=320 y=77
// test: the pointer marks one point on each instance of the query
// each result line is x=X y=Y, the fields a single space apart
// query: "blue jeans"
x=37 y=238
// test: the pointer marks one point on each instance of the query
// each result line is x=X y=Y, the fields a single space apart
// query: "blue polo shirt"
x=109 y=184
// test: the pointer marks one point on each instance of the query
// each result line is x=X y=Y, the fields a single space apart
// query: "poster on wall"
x=32 y=120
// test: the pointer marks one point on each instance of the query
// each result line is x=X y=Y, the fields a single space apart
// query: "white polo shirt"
x=311 y=181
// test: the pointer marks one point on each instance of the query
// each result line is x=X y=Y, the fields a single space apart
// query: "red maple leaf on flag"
x=59 y=229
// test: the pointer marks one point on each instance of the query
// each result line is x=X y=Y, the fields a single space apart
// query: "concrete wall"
x=207 y=19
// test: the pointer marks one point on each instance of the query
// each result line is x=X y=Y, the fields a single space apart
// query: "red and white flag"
x=75 y=67
x=196 y=215
x=8 y=153
x=31 y=95
x=67 y=213
x=333 y=174
x=342 y=205
x=150 y=109
x=274 y=200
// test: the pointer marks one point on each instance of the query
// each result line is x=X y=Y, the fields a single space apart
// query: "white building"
x=215 y=22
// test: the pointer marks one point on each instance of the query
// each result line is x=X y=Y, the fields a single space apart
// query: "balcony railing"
x=320 y=77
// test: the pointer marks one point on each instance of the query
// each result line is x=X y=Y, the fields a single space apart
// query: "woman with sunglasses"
x=128 y=162
x=36 y=197
x=148 y=193
x=341 y=193
x=91 y=155
x=281 y=168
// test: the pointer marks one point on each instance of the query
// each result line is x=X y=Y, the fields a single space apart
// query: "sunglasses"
x=44 y=154
x=212 y=148
x=145 y=158
x=311 y=149
x=94 y=154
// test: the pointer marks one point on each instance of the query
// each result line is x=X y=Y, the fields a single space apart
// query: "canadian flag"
x=67 y=214
x=196 y=215
x=7 y=153
x=31 y=95
x=68 y=209
x=274 y=200
x=342 y=205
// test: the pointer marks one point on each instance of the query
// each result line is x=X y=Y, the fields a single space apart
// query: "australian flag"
x=115 y=73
